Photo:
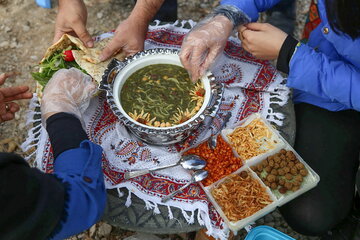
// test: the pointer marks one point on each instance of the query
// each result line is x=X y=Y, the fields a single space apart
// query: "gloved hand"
x=69 y=90
x=208 y=39
x=203 y=44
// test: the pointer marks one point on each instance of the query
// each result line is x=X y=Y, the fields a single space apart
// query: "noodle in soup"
x=161 y=95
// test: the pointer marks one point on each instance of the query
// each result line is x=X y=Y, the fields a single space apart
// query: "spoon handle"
x=212 y=141
x=168 y=197
x=137 y=173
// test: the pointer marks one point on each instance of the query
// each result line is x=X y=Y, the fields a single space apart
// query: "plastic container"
x=44 y=3
x=235 y=226
x=275 y=138
x=308 y=182
x=266 y=233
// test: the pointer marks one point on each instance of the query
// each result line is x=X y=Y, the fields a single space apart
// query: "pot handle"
x=215 y=98
x=110 y=73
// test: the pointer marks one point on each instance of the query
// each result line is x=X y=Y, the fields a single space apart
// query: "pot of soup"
x=152 y=94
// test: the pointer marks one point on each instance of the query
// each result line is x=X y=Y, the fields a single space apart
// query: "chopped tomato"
x=68 y=56
x=200 y=92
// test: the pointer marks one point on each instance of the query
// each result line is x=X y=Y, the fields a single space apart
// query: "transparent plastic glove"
x=69 y=90
x=204 y=43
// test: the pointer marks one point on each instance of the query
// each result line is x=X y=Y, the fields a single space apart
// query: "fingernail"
x=193 y=78
x=102 y=58
x=90 y=44
x=201 y=73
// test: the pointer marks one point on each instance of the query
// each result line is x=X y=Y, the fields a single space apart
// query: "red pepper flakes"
x=220 y=161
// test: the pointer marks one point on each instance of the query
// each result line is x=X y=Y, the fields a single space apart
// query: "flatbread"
x=95 y=70
x=63 y=43
x=89 y=59
x=92 y=54
x=86 y=58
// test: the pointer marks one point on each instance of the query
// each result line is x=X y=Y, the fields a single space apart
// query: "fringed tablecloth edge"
x=34 y=134
x=203 y=217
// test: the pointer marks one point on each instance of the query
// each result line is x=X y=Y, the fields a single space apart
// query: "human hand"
x=262 y=40
x=69 y=90
x=71 y=19
x=203 y=44
x=7 y=95
x=129 y=37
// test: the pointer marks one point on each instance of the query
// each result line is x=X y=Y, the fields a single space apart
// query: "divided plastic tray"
x=279 y=143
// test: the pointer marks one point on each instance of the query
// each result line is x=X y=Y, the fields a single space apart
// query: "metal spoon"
x=196 y=177
x=213 y=139
x=189 y=162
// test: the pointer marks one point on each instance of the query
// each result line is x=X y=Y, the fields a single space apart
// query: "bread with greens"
x=70 y=52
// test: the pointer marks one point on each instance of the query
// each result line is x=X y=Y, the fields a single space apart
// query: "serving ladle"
x=196 y=177
x=189 y=162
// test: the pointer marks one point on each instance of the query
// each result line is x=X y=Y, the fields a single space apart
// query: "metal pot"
x=118 y=72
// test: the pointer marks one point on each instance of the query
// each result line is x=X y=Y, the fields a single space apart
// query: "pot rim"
x=148 y=60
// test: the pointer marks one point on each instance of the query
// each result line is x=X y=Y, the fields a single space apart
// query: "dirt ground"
x=26 y=31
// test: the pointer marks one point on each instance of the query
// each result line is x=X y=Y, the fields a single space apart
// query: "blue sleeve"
x=251 y=7
x=80 y=170
x=337 y=80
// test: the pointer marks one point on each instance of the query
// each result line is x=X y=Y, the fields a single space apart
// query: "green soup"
x=161 y=95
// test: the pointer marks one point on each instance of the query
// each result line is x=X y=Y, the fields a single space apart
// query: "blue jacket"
x=324 y=72
x=80 y=169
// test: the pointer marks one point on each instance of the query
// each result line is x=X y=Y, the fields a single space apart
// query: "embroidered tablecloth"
x=251 y=85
